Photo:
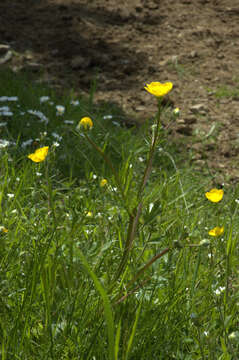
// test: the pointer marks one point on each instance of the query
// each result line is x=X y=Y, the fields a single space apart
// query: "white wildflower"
x=26 y=143
x=60 y=110
x=75 y=102
x=56 y=136
x=10 y=196
x=39 y=114
x=71 y=122
x=44 y=99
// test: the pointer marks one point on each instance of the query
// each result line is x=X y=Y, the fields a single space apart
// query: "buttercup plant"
x=158 y=90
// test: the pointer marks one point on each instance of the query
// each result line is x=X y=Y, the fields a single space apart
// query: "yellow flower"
x=214 y=195
x=176 y=111
x=3 y=229
x=89 y=214
x=39 y=155
x=103 y=182
x=158 y=89
x=86 y=123
x=217 y=231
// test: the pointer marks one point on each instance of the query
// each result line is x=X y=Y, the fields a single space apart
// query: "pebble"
x=185 y=130
x=199 y=108
x=80 y=62
x=190 y=120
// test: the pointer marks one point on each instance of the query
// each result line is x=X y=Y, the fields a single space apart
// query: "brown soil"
x=193 y=43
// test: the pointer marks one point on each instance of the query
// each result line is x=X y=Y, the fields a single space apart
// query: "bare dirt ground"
x=193 y=43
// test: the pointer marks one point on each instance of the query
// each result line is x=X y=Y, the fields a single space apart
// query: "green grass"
x=140 y=278
x=225 y=91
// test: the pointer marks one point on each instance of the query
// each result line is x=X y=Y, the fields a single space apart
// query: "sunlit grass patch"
x=108 y=248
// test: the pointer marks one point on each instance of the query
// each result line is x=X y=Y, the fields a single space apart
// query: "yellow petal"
x=214 y=195
x=86 y=123
x=39 y=155
x=3 y=229
x=159 y=89
x=103 y=182
x=217 y=231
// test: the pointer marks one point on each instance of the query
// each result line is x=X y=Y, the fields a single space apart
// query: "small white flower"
x=237 y=201
x=44 y=99
x=26 y=143
x=94 y=176
x=5 y=111
x=107 y=117
x=220 y=290
x=56 y=144
x=71 y=122
x=39 y=114
x=38 y=174
x=14 y=211
x=141 y=159
x=10 y=196
x=56 y=136
x=8 y=98
x=60 y=110
x=4 y=108
x=75 y=102
x=151 y=205
x=4 y=143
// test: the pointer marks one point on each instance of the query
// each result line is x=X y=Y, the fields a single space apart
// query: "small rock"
x=152 y=5
x=140 y=108
x=220 y=56
x=190 y=120
x=180 y=121
x=199 y=108
x=199 y=162
x=185 y=130
x=80 y=62
x=193 y=54
x=174 y=59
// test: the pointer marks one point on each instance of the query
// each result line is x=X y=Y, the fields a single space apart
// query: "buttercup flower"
x=214 y=195
x=217 y=231
x=39 y=155
x=86 y=123
x=89 y=214
x=103 y=182
x=158 y=89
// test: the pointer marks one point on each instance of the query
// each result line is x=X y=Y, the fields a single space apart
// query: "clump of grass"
x=108 y=250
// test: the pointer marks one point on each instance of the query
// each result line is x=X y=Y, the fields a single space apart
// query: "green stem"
x=109 y=163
